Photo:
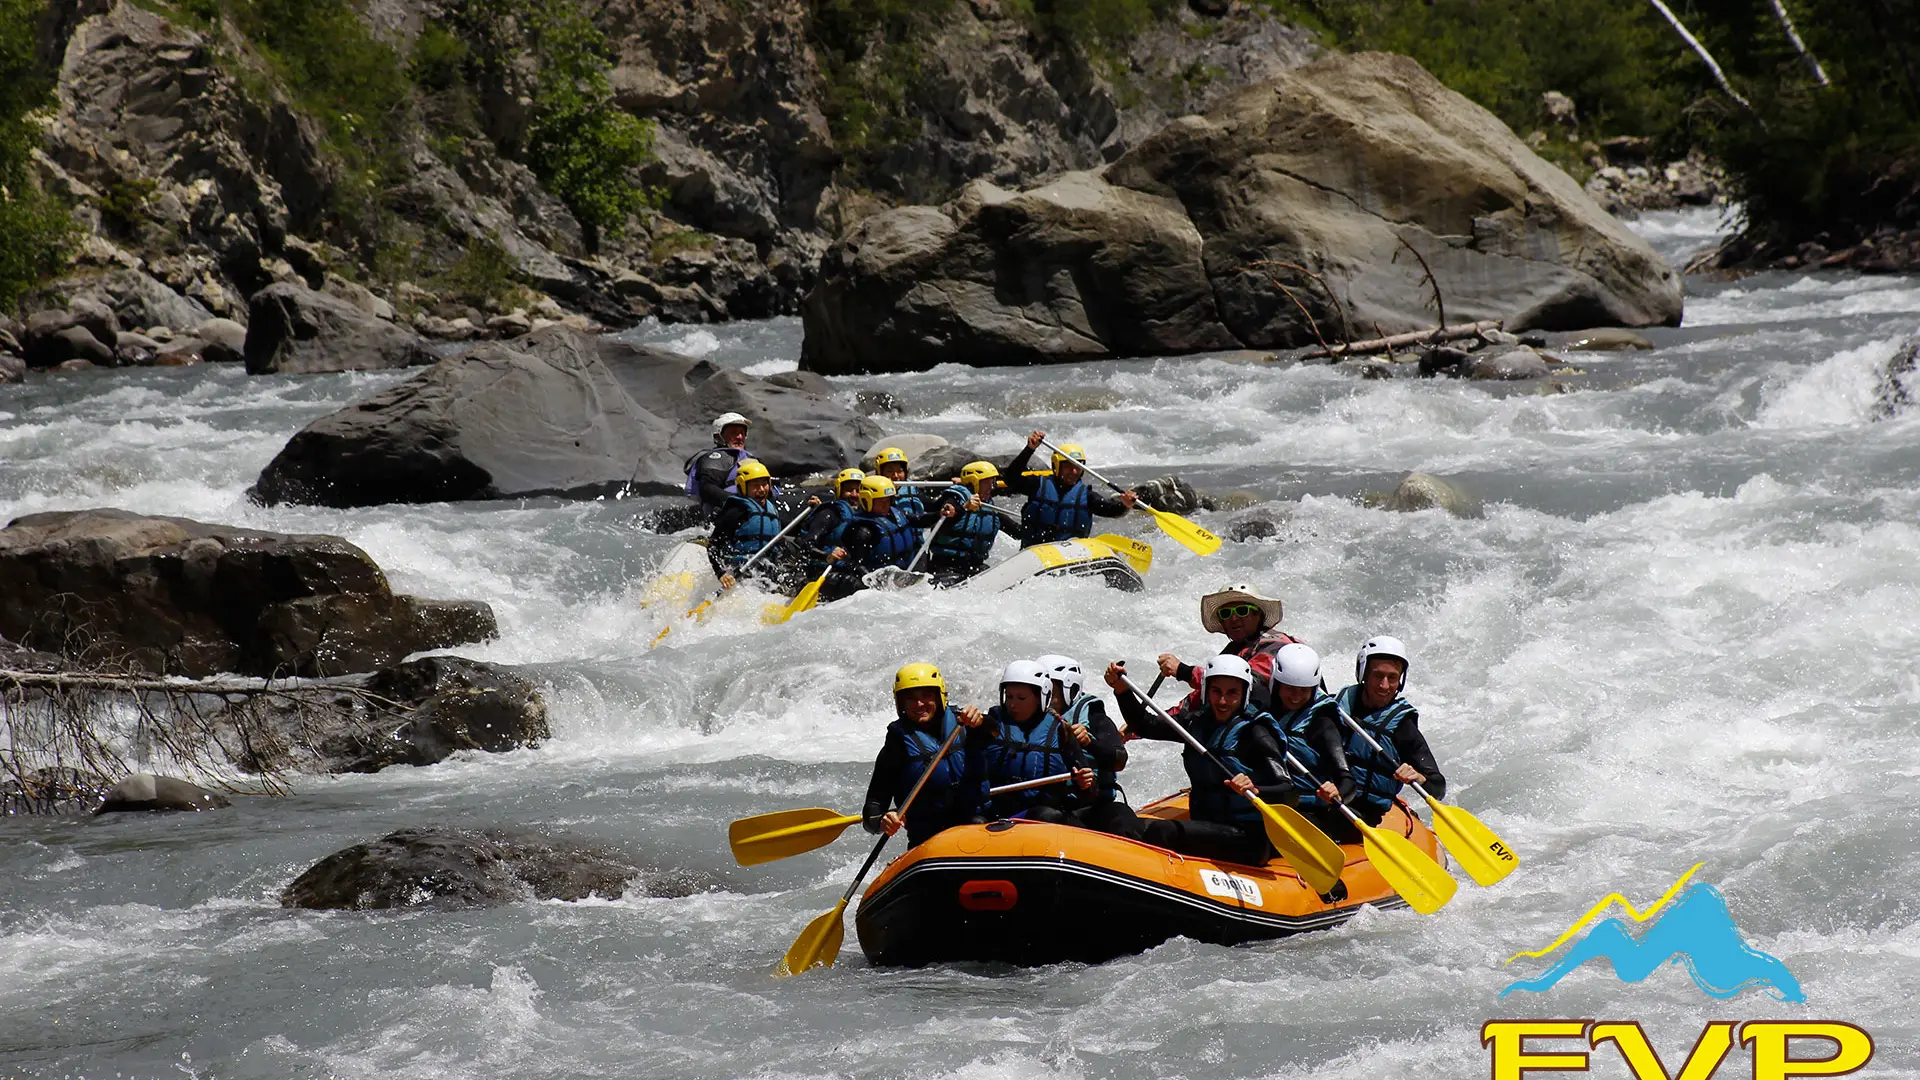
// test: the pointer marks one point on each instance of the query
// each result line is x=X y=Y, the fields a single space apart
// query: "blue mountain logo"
x=1698 y=931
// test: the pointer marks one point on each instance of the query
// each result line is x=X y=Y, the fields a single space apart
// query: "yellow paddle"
x=764 y=838
x=1421 y=882
x=1137 y=553
x=1312 y=854
x=804 y=600
x=1483 y=855
x=1198 y=540
x=819 y=943
x=699 y=611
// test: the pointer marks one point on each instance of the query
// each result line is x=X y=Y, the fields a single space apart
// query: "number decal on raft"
x=1232 y=887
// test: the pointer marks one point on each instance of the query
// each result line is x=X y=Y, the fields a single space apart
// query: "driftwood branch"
x=1411 y=337
x=1439 y=302
x=1806 y=55
x=76 y=731
x=1701 y=50
x=1339 y=309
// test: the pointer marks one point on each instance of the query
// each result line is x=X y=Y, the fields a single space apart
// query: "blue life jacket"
x=1106 y=785
x=938 y=802
x=837 y=515
x=1373 y=770
x=1052 y=514
x=910 y=505
x=1210 y=799
x=1292 y=728
x=693 y=476
x=966 y=540
x=897 y=541
x=1017 y=754
x=759 y=529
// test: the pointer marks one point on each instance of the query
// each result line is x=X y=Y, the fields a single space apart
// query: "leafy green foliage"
x=580 y=143
x=871 y=52
x=36 y=232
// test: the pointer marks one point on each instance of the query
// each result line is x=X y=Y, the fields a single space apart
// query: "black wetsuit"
x=709 y=474
x=1218 y=828
x=952 y=796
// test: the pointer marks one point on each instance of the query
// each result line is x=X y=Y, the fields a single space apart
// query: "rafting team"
x=1260 y=700
x=871 y=522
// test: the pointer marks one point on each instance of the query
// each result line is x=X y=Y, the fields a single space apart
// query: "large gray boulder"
x=445 y=867
x=182 y=597
x=1305 y=191
x=554 y=412
x=293 y=329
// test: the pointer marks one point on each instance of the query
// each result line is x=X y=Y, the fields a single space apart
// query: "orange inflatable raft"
x=1023 y=892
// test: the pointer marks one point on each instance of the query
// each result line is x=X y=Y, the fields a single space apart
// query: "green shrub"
x=36 y=231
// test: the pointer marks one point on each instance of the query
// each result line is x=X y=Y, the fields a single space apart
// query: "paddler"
x=1021 y=739
x=1306 y=716
x=1377 y=703
x=891 y=462
x=922 y=721
x=877 y=536
x=712 y=474
x=961 y=548
x=1223 y=824
x=747 y=522
x=1060 y=504
x=823 y=532
x=1085 y=717
x=1251 y=622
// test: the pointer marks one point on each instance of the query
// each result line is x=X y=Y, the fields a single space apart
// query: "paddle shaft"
x=1295 y=764
x=1377 y=748
x=1028 y=785
x=911 y=795
x=926 y=547
x=1155 y=688
x=1088 y=469
x=777 y=537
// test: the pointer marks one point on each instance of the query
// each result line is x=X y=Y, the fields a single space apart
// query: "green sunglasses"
x=1234 y=611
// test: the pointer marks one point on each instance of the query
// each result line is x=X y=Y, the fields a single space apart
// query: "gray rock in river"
x=1179 y=245
x=554 y=412
x=444 y=867
x=1423 y=491
x=421 y=712
x=293 y=329
x=1503 y=363
x=13 y=368
x=1899 y=385
x=145 y=791
x=183 y=597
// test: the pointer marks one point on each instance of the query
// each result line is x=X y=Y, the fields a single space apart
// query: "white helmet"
x=1295 y=665
x=726 y=420
x=1064 y=670
x=1381 y=646
x=1227 y=666
x=1027 y=673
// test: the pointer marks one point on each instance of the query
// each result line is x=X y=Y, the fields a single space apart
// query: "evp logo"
x=1697 y=932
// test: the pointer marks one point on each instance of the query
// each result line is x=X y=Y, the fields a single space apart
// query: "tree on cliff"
x=35 y=229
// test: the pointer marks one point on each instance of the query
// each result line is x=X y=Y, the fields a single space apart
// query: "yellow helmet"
x=1067 y=451
x=872 y=490
x=976 y=471
x=914 y=676
x=890 y=455
x=750 y=469
x=845 y=477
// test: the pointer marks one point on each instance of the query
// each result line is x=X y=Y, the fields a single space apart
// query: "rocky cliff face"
x=203 y=177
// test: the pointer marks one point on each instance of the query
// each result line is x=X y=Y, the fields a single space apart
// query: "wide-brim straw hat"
x=1270 y=606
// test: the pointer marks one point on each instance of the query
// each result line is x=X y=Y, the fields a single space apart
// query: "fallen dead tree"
x=1406 y=340
x=65 y=735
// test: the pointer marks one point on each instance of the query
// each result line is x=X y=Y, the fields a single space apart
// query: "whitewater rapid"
x=1684 y=630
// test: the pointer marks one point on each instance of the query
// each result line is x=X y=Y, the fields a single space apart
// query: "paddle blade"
x=1424 y=884
x=1197 y=539
x=1311 y=853
x=660 y=637
x=818 y=944
x=1138 y=554
x=808 y=596
x=766 y=837
x=1479 y=850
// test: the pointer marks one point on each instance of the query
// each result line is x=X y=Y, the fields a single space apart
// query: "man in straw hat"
x=1251 y=622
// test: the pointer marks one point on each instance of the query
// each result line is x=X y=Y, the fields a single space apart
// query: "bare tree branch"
x=1705 y=56
x=1799 y=46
